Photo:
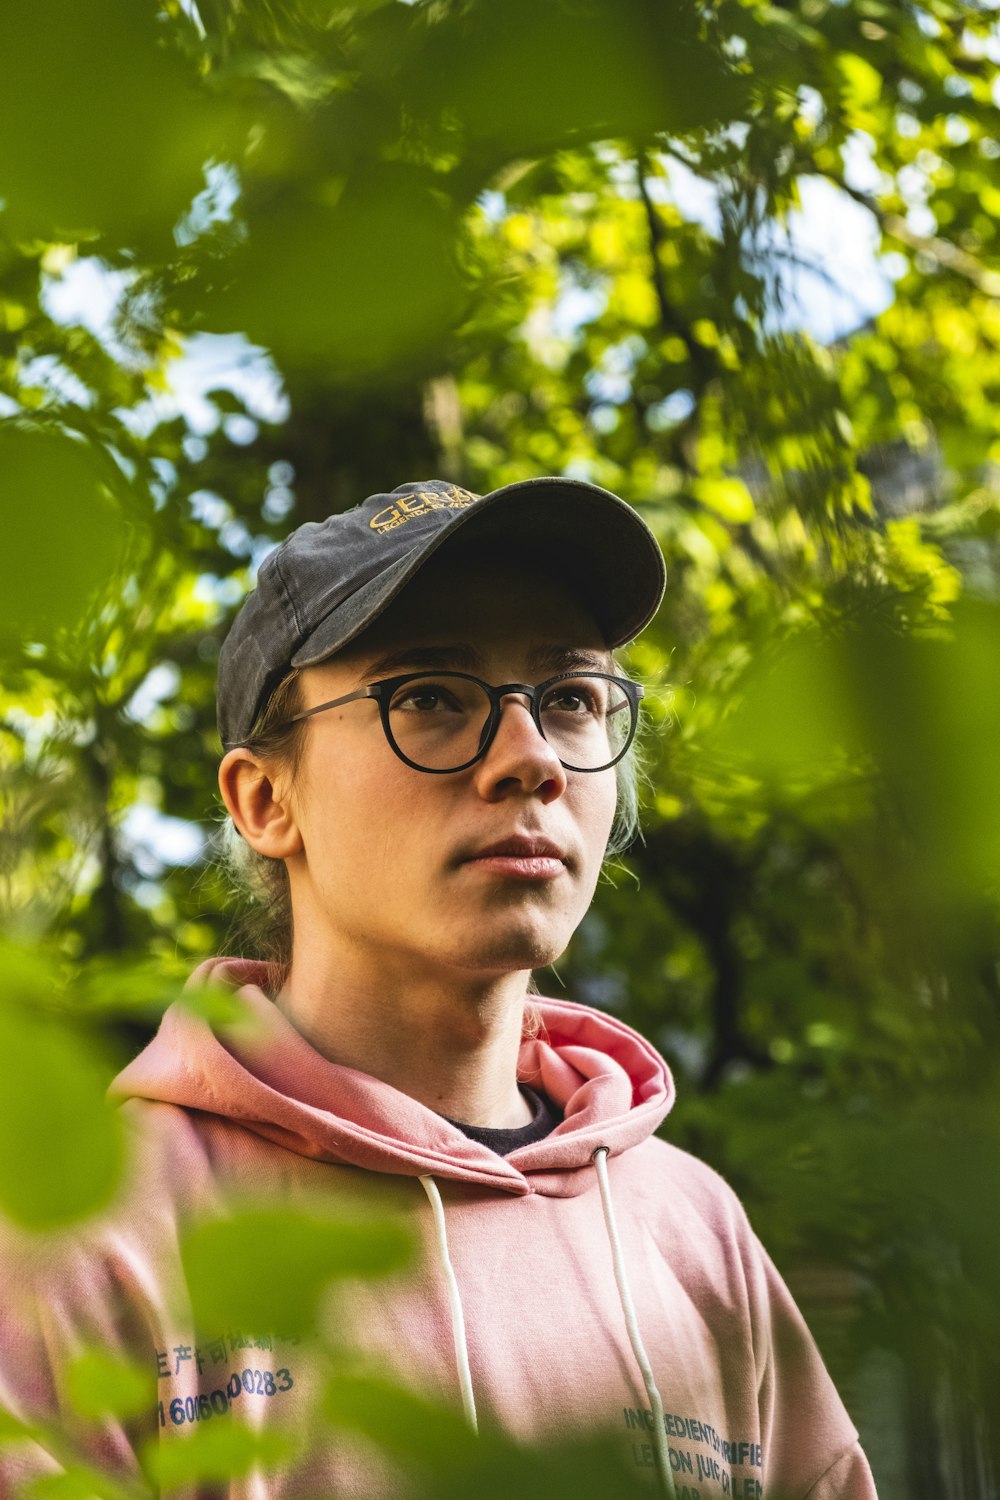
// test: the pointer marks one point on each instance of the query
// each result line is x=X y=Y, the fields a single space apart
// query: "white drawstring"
x=628 y=1308
x=660 y=1443
x=430 y=1187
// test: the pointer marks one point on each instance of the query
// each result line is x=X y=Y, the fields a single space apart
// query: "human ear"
x=258 y=800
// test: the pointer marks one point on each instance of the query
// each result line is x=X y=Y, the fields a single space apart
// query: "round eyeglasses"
x=442 y=722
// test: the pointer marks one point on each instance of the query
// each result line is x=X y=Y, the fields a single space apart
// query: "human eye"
x=579 y=696
x=429 y=695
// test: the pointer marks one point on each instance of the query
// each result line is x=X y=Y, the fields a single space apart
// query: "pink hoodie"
x=549 y=1278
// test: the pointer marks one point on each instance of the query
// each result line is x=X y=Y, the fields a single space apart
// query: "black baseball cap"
x=330 y=579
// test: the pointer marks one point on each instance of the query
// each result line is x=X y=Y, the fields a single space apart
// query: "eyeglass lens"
x=440 y=721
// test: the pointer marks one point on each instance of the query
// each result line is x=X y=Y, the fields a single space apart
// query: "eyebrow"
x=462 y=658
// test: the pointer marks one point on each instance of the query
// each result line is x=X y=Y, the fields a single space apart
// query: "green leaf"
x=12 y=1430
x=797 y=714
x=434 y=1445
x=413 y=1429
x=862 y=86
x=629 y=69
x=63 y=1144
x=728 y=498
x=215 y=1453
x=267 y=1268
x=366 y=282
x=79 y=1481
x=935 y=727
x=99 y=1384
x=103 y=128
x=62 y=529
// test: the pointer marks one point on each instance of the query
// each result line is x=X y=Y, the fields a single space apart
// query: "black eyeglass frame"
x=383 y=691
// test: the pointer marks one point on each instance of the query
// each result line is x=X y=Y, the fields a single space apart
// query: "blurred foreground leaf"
x=63 y=1145
x=438 y=1450
x=98 y=1383
x=410 y=1428
x=916 y=717
x=528 y=76
x=267 y=1268
x=214 y=1453
x=61 y=529
x=12 y=1429
x=357 y=277
x=101 y=127
x=111 y=988
x=934 y=716
x=798 y=715
x=80 y=1481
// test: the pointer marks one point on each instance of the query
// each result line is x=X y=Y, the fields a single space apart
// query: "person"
x=429 y=749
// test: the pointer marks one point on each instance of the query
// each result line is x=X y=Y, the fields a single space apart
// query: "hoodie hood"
x=256 y=1070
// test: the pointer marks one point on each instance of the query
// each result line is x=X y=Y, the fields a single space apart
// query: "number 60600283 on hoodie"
x=599 y=1278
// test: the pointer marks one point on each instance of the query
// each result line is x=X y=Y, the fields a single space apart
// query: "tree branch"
x=950 y=256
x=670 y=321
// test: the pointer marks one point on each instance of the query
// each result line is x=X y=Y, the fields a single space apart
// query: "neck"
x=447 y=1038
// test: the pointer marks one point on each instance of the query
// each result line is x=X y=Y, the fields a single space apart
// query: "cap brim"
x=612 y=556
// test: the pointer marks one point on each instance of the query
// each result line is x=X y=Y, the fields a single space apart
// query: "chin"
x=514 y=950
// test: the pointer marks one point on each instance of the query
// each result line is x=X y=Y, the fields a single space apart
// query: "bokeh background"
x=738 y=262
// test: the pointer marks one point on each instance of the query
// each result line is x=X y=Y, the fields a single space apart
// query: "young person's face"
x=389 y=853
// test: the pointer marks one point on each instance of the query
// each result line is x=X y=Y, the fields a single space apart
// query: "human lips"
x=520 y=855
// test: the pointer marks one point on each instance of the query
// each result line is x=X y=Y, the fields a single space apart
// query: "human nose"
x=519 y=756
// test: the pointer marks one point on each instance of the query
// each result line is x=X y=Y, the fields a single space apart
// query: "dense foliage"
x=483 y=239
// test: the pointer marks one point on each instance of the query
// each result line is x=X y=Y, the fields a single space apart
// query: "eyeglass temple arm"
x=307 y=713
x=628 y=702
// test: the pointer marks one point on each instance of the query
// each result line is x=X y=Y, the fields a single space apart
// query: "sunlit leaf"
x=729 y=498
x=862 y=82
